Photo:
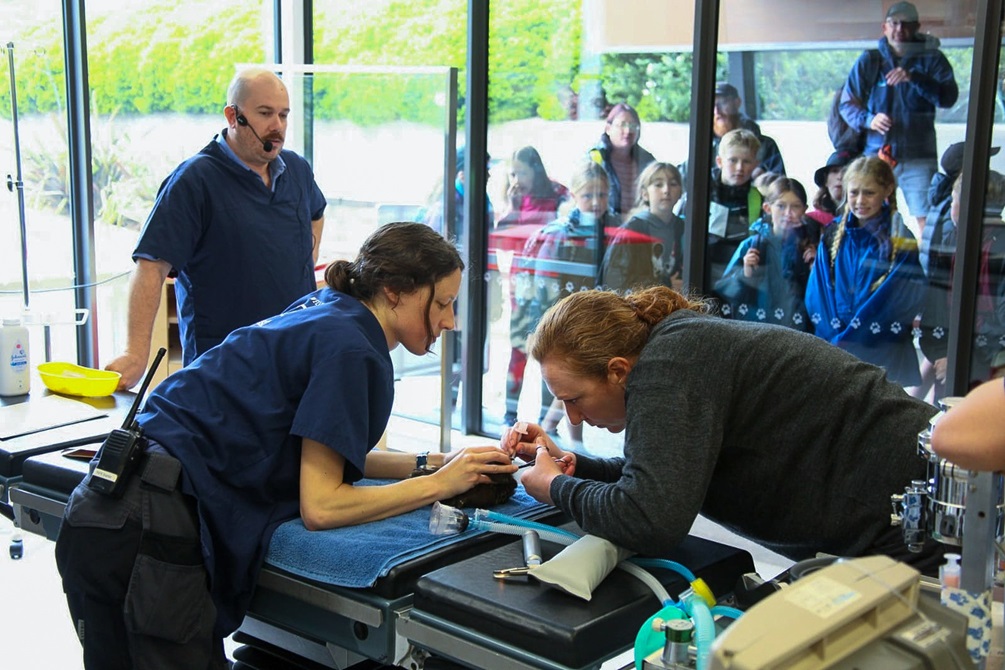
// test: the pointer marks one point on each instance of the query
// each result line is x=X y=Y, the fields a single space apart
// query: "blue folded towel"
x=356 y=556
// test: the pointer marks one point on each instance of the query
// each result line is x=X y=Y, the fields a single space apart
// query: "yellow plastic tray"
x=72 y=379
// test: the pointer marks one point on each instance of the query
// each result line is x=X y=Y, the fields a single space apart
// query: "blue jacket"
x=865 y=300
x=911 y=105
x=776 y=291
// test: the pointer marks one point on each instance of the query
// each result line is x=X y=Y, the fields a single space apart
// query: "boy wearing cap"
x=892 y=92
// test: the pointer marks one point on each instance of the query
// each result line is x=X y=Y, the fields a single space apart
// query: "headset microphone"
x=267 y=145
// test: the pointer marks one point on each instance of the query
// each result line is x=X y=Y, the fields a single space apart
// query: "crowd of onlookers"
x=844 y=264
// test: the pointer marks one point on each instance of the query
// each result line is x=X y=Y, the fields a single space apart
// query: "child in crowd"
x=766 y=279
x=866 y=286
x=648 y=248
x=562 y=258
x=828 y=202
x=733 y=203
x=531 y=197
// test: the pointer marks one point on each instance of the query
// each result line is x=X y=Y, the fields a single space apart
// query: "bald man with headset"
x=238 y=225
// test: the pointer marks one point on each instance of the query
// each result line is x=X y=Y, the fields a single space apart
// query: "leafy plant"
x=122 y=186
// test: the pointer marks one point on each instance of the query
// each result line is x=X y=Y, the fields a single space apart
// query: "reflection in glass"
x=867 y=285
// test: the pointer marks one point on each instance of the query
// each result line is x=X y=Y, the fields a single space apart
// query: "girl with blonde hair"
x=648 y=248
x=867 y=286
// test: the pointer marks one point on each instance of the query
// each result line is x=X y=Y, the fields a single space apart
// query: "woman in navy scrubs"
x=277 y=421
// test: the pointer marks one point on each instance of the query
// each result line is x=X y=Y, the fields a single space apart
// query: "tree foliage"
x=178 y=57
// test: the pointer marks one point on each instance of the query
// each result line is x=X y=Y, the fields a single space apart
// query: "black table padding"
x=53 y=472
x=544 y=621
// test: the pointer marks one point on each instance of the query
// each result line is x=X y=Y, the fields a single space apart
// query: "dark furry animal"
x=482 y=495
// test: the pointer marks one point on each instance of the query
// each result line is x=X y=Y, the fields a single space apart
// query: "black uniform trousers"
x=134 y=576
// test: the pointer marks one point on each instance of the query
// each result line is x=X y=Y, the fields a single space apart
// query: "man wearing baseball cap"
x=891 y=94
x=726 y=116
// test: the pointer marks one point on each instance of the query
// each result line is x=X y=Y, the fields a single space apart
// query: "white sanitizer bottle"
x=15 y=370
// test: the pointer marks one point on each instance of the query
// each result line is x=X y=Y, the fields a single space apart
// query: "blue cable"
x=723 y=610
x=526 y=523
x=664 y=563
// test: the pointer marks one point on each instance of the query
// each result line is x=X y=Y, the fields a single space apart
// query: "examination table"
x=443 y=604
x=42 y=422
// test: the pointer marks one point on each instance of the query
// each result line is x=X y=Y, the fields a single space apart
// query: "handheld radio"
x=120 y=452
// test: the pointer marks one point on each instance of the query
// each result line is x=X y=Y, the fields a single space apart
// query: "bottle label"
x=19 y=359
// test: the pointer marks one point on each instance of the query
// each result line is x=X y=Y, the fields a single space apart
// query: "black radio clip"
x=120 y=452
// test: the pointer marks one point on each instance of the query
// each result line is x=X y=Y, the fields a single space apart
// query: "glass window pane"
x=146 y=119
x=34 y=30
x=581 y=107
x=377 y=131
x=863 y=287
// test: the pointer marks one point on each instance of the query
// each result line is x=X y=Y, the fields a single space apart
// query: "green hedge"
x=170 y=58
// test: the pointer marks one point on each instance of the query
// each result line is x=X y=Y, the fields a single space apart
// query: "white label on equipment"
x=823 y=597
x=105 y=474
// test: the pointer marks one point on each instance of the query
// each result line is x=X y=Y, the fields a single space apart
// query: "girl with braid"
x=867 y=287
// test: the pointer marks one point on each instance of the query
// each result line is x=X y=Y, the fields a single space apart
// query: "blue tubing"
x=723 y=610
x=548 y=534
x=704 y=627
x=524 y=523
x=664 y=563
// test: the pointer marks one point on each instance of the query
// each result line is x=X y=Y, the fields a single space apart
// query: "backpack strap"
x=754 y=201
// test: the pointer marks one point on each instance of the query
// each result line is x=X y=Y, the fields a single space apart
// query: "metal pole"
x=706 y=42
x=449 y=208
x=476 y=240
x=976 y=154
x=81 y=178
x=980 y=520
x=17 y=183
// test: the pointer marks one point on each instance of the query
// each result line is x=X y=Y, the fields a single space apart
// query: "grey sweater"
x=775 y=434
